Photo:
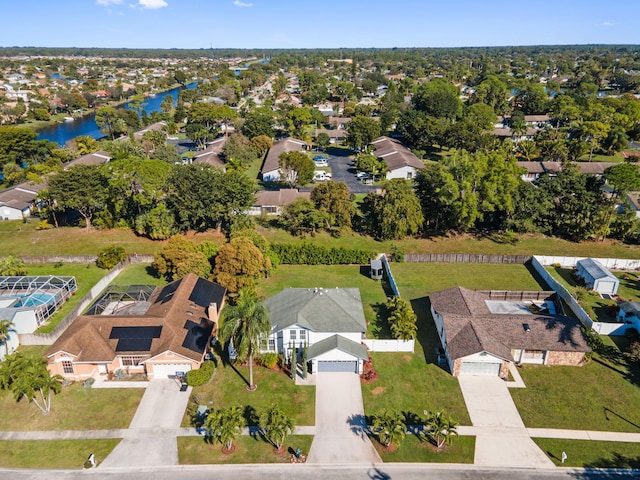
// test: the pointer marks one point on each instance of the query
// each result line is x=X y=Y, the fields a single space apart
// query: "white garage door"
x=169 y=370
x=337 y=366
x=480 y=368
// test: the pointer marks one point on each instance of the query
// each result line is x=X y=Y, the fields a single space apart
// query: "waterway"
x=86 y=125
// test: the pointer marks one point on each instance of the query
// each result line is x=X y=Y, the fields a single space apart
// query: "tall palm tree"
x=6 y=327
x=246 y=323
x=276 y=426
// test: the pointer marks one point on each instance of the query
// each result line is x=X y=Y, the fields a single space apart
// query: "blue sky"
x=310 y=24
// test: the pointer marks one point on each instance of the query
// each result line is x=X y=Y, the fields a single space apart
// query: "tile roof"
x=180 y=308
x=318 y=309
x=471 y=328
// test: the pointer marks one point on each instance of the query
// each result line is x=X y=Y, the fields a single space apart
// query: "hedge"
x=310 y=254
x=198 y=377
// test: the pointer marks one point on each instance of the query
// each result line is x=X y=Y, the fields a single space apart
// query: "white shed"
x=597 y=277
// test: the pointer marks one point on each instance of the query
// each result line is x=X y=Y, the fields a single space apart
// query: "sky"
x=316 y=24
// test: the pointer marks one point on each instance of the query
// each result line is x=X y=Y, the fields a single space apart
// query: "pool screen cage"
x=117 y=298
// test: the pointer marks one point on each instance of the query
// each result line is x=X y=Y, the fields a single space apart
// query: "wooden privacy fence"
x=515 y=296
x=465 y=258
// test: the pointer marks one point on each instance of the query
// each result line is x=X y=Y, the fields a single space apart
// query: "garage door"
x=169 y=370
x=480 y=368
x=337 y=366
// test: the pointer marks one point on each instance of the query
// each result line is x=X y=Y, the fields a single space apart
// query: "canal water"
x=86 y=125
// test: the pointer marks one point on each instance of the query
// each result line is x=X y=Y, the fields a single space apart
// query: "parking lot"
x=342 y=171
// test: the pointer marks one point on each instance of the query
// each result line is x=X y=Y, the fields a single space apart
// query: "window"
x=292 y=335
x=131 y=360
x=67 y=366
x=303 y=335
x=272 y=344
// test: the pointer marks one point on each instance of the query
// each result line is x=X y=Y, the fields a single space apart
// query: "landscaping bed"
x=248 y=449
x=48 y=454
x=590 y=453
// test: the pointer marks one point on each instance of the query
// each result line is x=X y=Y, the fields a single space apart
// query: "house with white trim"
x=271 y=167
x=401 y=162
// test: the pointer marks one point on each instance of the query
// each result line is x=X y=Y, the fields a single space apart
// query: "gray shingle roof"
x=338 y=342
x=320 y=310
x=272 y=160
x=595 y=269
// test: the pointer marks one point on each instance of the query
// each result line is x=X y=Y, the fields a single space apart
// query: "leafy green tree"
x=82 y=188
x=239 y=263
x=198 y=133
x=85 y=144
x=532 y=100
x=261 y=144
x=7 y=327
x=276 y=425
x=105 y=118
x=323 y=140
x=296 y=168
x=395 y=214
x=11 y=266
x=240 y=149
x=246 y=323
x=482 y=115
x=390 y=427
x=493 y=92
x=16 y=144
x=594 y=132
x=527 y=149
x=361 y=131
x=334 y=199
x=301 y=217
x=28 y=378
x=110 y=256
x=367 y=163
x=298 y=118
x=159 y=223
x=224 y=425
x=439 y=99
x=259 y=122
x=441 y=428
x=179 y=257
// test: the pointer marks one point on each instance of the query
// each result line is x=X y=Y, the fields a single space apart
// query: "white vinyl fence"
x=389 y=345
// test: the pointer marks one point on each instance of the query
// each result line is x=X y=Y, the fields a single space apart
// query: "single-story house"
x=335 y=136
x=212 y=153
x=401 y=162
x=16 y=203
x=532 y=170
x=629 y=314
x=330 y=323
x=481 y=333
x=596 y=276
x=96 y=158
x=338 y=123
x=272 y=202
x=271 y=166
x=166 y=334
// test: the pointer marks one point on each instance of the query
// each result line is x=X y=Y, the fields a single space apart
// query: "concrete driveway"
x=340 y=427
x=151 y=437
x=502 y=439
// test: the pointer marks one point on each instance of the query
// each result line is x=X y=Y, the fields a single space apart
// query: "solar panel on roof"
x=204 y=293
x=197 y=335
x=134 y=345
x=136 y=332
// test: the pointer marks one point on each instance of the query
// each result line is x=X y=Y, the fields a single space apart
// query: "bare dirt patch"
x=378 y=390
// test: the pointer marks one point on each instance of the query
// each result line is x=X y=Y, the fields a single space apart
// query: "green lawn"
x=87 y=275
x=591 y=454
x=332 y=276
x=67 y=454
x=194 y=450
x=138 y=274
x=414 y=450
x=75 y=408
x=408 y=384
x=228 y=388
x=602 y=395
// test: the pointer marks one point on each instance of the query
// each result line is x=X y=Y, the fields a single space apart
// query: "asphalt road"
x=342 y=171
x=319 y=472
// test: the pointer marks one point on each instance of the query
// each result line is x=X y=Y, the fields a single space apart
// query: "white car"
x=362 y=175
x=320 y=176
x=321 y=163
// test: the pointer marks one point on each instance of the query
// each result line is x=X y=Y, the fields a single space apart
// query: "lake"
x=86 y=125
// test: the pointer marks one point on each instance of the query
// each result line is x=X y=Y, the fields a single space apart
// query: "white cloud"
x=152 y=4
x=239 y=3
x=609 y=24
x=107 y=3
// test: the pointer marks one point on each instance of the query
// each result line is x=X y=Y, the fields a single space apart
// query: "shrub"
x=43 y=225
x=12 y=266
x=202 y=375
x=397 y=253
x=268 y=360
x=110 y=257
x=310 y=254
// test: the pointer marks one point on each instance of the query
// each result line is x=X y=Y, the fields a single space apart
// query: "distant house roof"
x=471 y=327
x=96 y=158
x=338 y=133
x=507 y=132
x=318 y=309
x=154 y=126
x=211 y=154
x=532 y=167
x=281 y=198
x=594 y=168
x=272 y=160
x=178 y=319
x=395 y=154
x=337 y=342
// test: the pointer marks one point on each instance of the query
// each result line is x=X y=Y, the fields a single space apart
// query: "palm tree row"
x=391 y=427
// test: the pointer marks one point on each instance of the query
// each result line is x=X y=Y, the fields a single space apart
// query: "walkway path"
x=341 y=436
x=501 y=437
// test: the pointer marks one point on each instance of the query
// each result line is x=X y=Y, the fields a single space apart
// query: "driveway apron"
x=151 y=437
x=502 y=439
x=340 y=427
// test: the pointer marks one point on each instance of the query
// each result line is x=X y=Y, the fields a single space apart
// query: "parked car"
x=320 y=176
x=321 y=163
x=318 y=158
x=362 y=175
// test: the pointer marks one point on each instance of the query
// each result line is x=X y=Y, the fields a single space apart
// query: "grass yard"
x=138 y=274
x=249 y=449
x=228 y=388
x=602 y=395
x=87 y=275
x=75 y=408
x=591 y=454
x=407 y=383
x=67 y=454
x=332 y=276
x=415 y=450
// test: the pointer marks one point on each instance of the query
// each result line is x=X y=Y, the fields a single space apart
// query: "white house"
x=330 y=323
x=597 y=277
x=271 y=166
x=272 y=202
x=16 y=202
x=401 y=162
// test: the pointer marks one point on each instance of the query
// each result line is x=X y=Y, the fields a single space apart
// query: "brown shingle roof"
x=211 y=154
x=172 y=306
x=531 y=167
x=395 y=154
x=282 y=197
x=272 y=160
x=96 y=158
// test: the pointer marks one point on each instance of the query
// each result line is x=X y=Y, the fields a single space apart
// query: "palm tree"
x=225 y=424
x=276 y=426
x=245 y=323
x=442 y=428
x=6 y=327
x=402 y=319
x=390 y=427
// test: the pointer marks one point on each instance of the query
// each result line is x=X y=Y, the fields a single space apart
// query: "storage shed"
x=597 y=277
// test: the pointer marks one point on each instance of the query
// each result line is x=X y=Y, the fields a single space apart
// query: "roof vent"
x=527 y=327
